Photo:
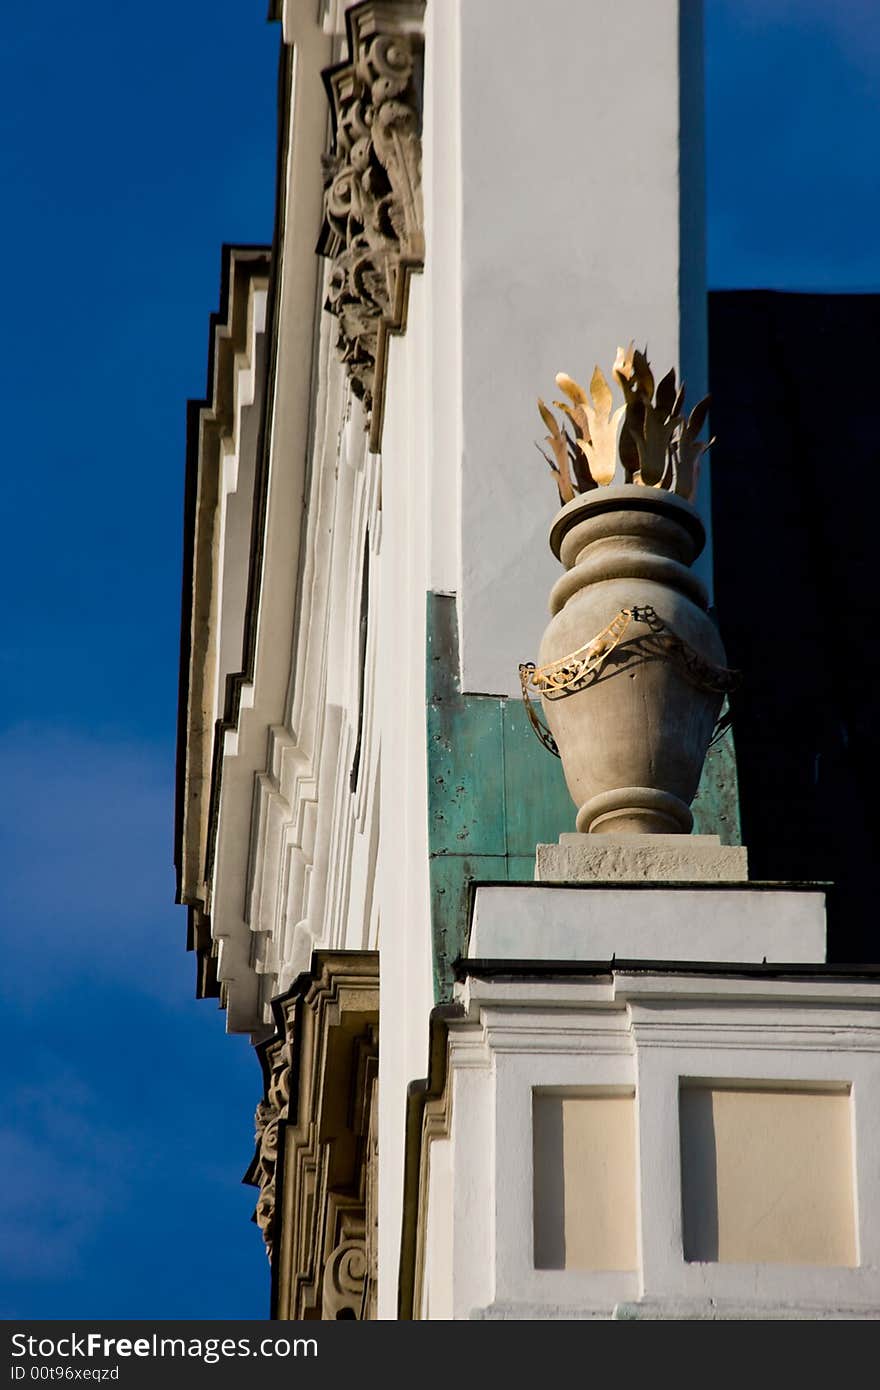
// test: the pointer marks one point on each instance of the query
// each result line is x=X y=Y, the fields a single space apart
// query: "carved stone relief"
x=345 y=1269
x=371 y=1209
x=373 y=228
x=269 y=1113
x=315 y=1160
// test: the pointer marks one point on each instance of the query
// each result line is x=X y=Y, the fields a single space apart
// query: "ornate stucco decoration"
x=316 y=1156
x=373 y=228
x=371 y=1209
x=345 y=1270
x=270 y=1113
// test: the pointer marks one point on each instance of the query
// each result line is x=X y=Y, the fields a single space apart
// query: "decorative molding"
x=313 y=842
x=213 y=423
x=344 y=1277
x=269 y=1115
x=436 y=1124
x=373 y=231
x=264 y=800
x=369 y=1311
x=238 y=960
x=316 y=1157
x=428 y=1117
x=331 y=15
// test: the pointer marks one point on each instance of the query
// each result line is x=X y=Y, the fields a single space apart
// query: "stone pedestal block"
x=641 y=859
x=726 y=922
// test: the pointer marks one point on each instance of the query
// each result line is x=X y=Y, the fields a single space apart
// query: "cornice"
x=236 y=681
x=209 y=420
x=287 y=423
x=199 y=934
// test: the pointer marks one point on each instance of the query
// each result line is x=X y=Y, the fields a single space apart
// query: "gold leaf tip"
x=623 y=362
x=570 y=387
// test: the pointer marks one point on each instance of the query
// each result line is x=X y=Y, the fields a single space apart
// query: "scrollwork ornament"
x=267 y=1118
x=373 y=222
x=343 y=1285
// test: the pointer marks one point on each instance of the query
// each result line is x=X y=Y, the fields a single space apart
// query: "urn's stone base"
x=641 y=859
x=635 y=811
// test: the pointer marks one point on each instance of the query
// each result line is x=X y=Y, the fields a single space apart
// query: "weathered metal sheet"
x=451 y=877
x=493 y=793
x=538 y=807
x=716 y=804
x=466 y=802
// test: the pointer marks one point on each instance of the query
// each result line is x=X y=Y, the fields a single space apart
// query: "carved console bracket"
x=373 y=229
x=316 y=1157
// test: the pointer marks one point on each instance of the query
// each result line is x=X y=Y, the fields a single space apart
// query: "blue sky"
x=134 y=141
x=793 y=120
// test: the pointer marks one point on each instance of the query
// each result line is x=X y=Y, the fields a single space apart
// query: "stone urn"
x=631 y=667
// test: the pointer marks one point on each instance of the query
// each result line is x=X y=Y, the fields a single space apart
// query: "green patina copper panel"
x=442 y=660
x=493 y=791
x=521 y=868
x=451 y=878
x=538 y=806
x=466 y=776
x=716 y=804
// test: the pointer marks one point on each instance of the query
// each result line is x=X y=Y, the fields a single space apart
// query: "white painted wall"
x=406 y=996
x=313 y=841
x=553 y=182
x=442 y=314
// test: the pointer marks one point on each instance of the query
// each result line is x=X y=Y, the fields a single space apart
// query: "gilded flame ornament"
x=648 y=440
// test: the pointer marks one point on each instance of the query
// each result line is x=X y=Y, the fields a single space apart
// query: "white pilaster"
x=578 y=206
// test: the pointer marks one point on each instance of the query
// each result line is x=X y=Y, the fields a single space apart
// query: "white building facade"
x=499 y=1082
